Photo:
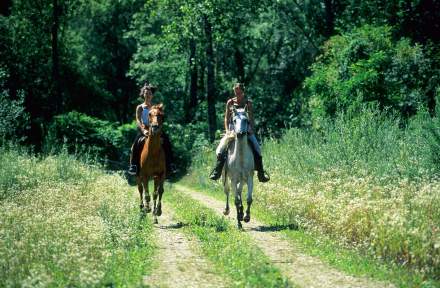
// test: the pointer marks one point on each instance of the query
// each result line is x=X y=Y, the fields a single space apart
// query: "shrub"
x=12 y=114
x=82 y=133
x=366 y=65
x=186 y=139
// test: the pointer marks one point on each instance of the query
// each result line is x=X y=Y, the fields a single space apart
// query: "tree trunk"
x=239 y=62
x=192 y=102
x=329 y=18
x=56 y=93
x=212 y=125
x=5 y=7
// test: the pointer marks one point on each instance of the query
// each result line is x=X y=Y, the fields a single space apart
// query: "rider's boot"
x=217 y=172
x=133 y=167
x=134 y=158
x=262 y=175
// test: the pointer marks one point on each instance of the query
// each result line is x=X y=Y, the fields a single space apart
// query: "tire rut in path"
x=179 y=263
x=301 y=269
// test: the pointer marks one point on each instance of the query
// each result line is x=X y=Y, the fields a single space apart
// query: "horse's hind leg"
x=141 y=192
x=238 y=203
x=250 y=187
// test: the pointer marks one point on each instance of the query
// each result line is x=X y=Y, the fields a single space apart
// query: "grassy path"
x=179 y=261
x=301 y=269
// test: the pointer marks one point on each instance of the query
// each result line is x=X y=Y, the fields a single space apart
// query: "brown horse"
x=152 y=164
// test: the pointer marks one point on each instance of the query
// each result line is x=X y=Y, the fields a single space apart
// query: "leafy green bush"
x=12 y=114
x=366 y=65
x=432 y=134
x=186 y=139
x=81 y=133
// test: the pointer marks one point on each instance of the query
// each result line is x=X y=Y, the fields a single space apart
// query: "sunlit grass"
x=364 y=182
x=64 y=223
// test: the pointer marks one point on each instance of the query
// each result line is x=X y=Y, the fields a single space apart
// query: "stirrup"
x=215 y=175
x=263 y=176
x=132 y=170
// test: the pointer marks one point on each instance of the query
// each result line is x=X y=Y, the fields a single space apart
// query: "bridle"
x=240 y=121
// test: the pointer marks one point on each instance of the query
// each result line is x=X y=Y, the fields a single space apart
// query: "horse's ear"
x=160 y=106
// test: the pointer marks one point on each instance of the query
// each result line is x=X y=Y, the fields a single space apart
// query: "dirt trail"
x=299 y=268
x=179 y=262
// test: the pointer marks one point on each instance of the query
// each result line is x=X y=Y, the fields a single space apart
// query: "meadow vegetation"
x=345 y=96
x=366 y=180
x=65 y=223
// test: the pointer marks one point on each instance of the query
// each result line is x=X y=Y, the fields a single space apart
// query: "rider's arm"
x=139 y=123
x=227 y=114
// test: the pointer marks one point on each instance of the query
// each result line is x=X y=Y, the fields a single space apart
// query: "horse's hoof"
x=226 y=212
x=247 y=218
x=159 y=211
x=240 y=217
x=147 y=209
x=155 y=221
x=239 y=226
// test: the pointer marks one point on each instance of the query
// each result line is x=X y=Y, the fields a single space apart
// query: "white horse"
x=239 y=167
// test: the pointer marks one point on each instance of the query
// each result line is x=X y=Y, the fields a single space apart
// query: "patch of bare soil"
x=179 y=263
x=301 y=269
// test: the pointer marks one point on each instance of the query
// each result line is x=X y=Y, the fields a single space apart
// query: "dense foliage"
x=366 y=65
x=91 y=56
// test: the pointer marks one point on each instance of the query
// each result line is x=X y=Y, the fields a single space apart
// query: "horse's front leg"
x=250 y=188
x=157 y=205
x=146 y=195
x=238 y=203
x=226 y=189
x=160 y=193
x=141 y=192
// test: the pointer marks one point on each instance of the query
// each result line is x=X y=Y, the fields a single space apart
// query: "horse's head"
x=240 y=120
x=156 y=116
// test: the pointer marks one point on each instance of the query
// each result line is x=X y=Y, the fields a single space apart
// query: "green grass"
x=229 y=249
x=64 y=223
x=366 y=181
x=348 y=259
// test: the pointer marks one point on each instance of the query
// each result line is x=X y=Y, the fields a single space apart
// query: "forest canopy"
x=301 y=61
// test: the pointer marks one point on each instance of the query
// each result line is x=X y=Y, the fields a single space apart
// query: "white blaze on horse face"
x=240 y=121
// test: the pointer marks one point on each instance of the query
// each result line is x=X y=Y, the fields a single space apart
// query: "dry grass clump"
x=62 y=223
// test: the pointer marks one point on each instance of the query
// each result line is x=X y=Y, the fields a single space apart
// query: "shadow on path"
x=177 y=225
x=274 y=228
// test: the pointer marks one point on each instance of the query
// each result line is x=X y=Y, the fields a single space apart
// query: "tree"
x=368 y=66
